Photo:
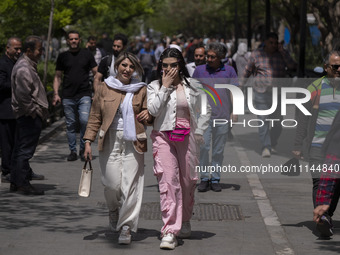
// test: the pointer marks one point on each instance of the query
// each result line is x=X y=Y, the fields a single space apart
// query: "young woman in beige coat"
x=118 y=115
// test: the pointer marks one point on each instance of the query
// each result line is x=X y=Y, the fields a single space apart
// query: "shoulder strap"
x=85 y=164
x=108 y=64
x=109 y=60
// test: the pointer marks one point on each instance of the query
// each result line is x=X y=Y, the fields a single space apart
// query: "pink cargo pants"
x=172 y=167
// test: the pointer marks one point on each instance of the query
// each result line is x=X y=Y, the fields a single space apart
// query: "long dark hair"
x=173 y=53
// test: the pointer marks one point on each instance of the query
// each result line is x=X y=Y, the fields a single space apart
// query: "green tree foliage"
x=203 y=17
x=25 y=17
x=22 y=18
x=327 y=14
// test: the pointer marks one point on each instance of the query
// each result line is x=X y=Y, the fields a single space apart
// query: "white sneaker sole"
x=124 y=241
x=168 y=246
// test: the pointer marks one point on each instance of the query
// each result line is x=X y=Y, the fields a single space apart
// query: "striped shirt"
x=328 y=107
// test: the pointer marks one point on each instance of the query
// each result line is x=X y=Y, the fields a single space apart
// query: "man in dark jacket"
x=7 y=119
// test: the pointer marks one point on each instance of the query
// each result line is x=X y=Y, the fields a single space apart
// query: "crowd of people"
x=114 y=89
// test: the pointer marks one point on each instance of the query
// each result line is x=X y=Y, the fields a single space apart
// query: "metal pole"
x=267 y=16
x=236 y=27
x=302 y=48
x=249 y=26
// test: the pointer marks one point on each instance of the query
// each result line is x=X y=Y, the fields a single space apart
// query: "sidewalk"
x=254 y=214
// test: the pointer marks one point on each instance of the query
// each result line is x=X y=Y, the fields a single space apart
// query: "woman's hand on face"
x=169 y=77
x=144 y=116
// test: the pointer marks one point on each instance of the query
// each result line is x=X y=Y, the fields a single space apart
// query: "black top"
x=105 y=65
x=6 y=67
x=76 y=67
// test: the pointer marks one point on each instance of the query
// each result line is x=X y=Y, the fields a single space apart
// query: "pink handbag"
x=178 y=134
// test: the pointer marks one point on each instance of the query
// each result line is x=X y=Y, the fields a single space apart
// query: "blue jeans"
x=218 y=136
x=27 y=136
x=269 y=136
x=73 y=108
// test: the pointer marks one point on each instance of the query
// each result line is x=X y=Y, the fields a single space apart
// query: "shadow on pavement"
x=59 y=213
x=229 y=186
x=312 y=227
x=328 y=246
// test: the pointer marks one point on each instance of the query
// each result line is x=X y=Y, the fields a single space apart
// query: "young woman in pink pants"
x=175 y=102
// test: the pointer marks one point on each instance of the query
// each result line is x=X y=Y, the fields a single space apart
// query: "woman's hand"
x=233 y=117
x=88 y=152
x=144 y=116
x=169 y=77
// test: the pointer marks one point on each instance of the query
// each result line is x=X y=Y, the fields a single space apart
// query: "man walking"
x=98 y=53
x=312 y=130
x=30 y=107
x=265 y=64
x=215 y=72
x=75 y=64
x=106 y=66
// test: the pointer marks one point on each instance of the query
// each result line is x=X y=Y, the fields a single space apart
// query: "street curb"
x=51 y=130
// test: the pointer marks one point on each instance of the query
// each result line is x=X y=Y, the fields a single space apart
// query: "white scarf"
x=129 y=132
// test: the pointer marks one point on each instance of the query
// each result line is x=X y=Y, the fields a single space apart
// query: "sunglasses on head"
x=335 y=67
x=172 y=65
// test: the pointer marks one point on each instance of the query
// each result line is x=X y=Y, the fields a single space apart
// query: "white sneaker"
x=125 y=236
x=185 y=230
x=274 y=151
x=113 y=219
x=169 y=242
x=266 y=153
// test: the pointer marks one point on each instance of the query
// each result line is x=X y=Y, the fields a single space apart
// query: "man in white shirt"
x=200 y=58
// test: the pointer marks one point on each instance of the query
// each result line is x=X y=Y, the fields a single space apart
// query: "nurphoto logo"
x=239 y=103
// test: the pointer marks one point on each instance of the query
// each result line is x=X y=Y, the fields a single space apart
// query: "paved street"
x=254 y=214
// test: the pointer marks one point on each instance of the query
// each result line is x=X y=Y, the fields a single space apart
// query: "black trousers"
x=26 y=140
x=7 y=134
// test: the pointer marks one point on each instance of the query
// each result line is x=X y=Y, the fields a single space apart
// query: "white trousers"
x=122 y=170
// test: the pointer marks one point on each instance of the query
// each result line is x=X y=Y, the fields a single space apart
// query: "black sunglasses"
x=335 y=67
x=172 y=65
